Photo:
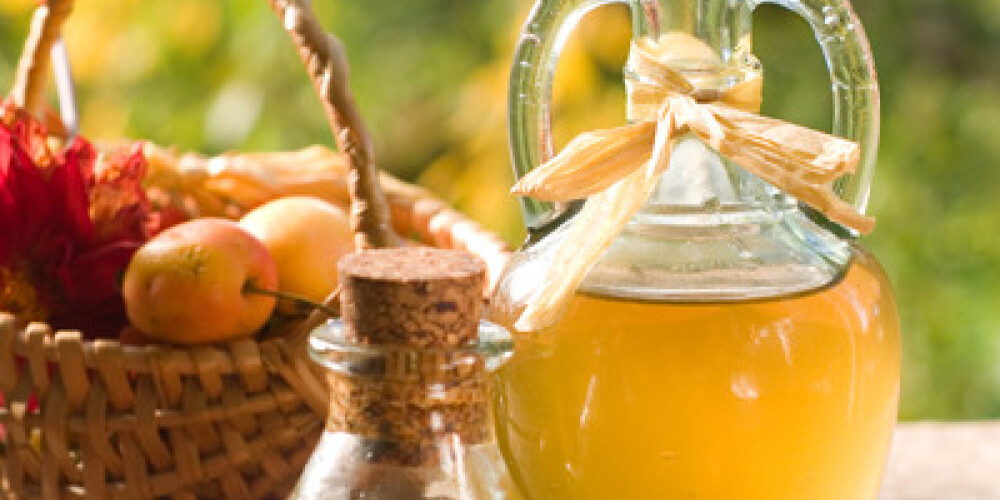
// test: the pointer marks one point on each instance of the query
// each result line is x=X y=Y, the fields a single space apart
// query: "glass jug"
x=731 y=343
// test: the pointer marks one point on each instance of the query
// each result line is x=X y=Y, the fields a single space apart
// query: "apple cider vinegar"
x=693 y=317
x=790 y=398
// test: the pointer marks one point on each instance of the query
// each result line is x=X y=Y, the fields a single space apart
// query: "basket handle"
x=326 y=64
x=28 y=91
x=325 y=61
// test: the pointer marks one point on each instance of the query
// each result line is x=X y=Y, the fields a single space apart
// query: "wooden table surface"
x=944 y=461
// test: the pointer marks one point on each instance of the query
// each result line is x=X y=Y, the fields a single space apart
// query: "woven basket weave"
x=104 y=421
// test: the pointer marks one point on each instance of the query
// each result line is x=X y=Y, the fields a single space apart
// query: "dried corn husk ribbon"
x=619 y=168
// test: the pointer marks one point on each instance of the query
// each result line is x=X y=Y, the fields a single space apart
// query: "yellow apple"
x=190 y=284
x=306 y=236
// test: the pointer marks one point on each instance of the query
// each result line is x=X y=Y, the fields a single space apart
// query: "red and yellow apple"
x=192 y=283
x=306 y=236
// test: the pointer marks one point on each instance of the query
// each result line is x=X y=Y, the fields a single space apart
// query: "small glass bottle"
x=407 y=369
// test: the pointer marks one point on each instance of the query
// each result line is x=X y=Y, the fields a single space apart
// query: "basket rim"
x=40 y=336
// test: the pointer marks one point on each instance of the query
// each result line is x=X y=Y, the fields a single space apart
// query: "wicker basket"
x=233 y=421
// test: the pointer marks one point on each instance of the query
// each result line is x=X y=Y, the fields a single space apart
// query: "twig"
x=298 y=336
x=253 y=289
x=32 y=69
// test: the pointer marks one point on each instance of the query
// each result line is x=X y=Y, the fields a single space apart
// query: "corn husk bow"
x=617 y=169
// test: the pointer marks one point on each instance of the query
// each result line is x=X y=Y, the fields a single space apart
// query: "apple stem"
x=252 y=288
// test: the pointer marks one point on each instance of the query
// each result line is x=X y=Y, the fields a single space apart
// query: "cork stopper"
x=419 y=308
x=419 y=297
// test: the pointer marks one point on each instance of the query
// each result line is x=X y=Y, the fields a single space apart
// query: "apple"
x=306 y=236
x=191 y=283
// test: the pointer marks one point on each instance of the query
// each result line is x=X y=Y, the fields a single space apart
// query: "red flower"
x=68 y=223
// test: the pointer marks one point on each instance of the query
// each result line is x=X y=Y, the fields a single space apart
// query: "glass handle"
x=855 y=85
x=536 y=57
x=551 y=22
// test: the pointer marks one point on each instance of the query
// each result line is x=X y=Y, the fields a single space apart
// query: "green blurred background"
x=430 y=77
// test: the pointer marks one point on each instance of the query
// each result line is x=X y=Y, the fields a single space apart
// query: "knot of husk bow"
x=617 y=169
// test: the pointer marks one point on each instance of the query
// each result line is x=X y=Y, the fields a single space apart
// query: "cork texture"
x=419 y=297
x=422 y=308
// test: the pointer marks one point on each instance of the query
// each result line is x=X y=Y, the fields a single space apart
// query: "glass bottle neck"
x=407 y=405
x=725 y=26
x=407 y=401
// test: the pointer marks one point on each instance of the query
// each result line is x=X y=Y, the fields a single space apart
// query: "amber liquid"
x=792 y=398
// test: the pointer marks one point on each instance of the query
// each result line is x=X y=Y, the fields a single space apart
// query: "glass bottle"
x=731 y=344
x=409 y=412
x=442 y=463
